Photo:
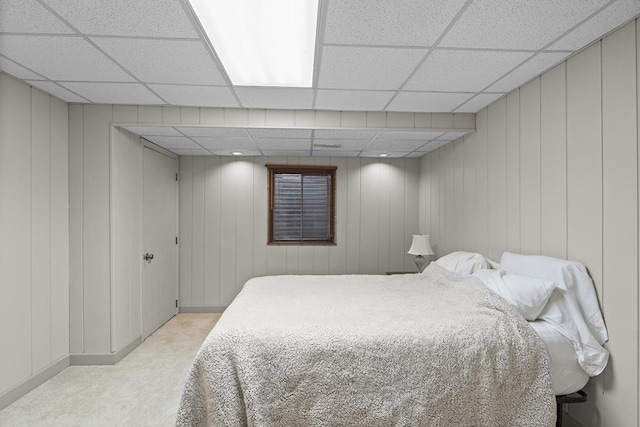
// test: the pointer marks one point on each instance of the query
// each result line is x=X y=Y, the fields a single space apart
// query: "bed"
x=438 y=348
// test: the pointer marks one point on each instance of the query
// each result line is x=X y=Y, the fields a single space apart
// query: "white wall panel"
x=496 y=179
x=34 y=218
x=620 y=225
x=76 y=253
x=572 y=190
x=96 y=247
x=435 y=231
x=513 y=171
x=482 y=176
x=369 y=214
x=211 y=233
x=412 y=175
x=338 y=254
x=553 y=163
x=60 y=229
x=353 y=215
x=470 y=227
x=530 y=167
x=15 y=227
x=457 y=238
x=185 y=229
x=40 y=231
x=395 y=221
x=198 y=227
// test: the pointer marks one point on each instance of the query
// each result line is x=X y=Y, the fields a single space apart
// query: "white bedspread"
x=431 y=350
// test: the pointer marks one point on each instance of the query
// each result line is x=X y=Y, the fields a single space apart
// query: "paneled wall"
x=553 y=170
x=223 y=224
x=104 y=197
x=34 y=224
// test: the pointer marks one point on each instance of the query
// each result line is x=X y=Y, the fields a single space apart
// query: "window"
x=301 y=204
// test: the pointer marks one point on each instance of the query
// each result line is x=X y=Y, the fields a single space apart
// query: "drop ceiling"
x=456 y=56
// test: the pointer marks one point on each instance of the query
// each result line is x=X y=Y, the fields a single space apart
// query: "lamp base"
x=421 y=263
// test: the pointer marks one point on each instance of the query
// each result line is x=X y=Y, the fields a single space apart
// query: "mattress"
x=566 y=374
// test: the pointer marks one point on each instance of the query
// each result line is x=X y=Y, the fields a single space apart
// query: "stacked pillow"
x=557 y=291
x=528 y=295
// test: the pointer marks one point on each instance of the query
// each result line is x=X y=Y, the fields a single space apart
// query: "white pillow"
x=463 y=263
x=570 y=276
x=528 y=295
x=572 y=309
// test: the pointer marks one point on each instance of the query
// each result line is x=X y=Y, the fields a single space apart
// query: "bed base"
x=579 y=396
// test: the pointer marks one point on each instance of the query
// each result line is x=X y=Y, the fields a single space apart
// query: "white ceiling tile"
x=213 y=132
x=16 y=70
x=358 y=100
x=174 y=142
x=408 y=135
x=334 y=153
x=533 y=67
x=245 y=153
x=57 y=91
x=114 y=93
x=276 y=153
x=272 y=97
x=479 y=102
x=146 y=18
x=152 y=130
x=389 y=155
x=192 y=152
x=517 y=24
x=262 y=133
x=283 y=144
x=342 y=144
x=367 y=68
x=433 y=145
x=463 y=70
x=345 y=134
x=62 y=58
x=226 y=143
x=451 y=136
x=427 y=101
x=395 y=146
x=383 y=22
x=200 y=96
x=616 y=14
x=415 y=154
x=29 y=16
x=172 y=61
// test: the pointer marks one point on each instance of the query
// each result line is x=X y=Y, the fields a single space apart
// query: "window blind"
x=301 y=205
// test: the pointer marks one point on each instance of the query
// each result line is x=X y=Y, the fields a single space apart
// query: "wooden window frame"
x=309 y=170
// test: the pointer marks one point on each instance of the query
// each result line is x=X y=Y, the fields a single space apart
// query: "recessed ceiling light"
x=237 y=153
x=383 y=155
x=262 y=43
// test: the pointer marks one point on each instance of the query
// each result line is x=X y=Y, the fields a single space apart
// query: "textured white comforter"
x=430 y=349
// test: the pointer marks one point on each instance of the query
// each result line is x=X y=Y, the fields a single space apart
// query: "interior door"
x=159 y=231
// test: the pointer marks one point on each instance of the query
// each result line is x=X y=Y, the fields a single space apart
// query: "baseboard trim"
x=202 y=309
x=83 y=359
x=35 y=380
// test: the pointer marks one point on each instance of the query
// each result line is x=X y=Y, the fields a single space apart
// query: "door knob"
x=148 y=257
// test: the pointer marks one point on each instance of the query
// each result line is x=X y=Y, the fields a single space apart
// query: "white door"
x=159 y=231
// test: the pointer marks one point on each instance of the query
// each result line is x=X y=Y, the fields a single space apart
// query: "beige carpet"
x=143 y=389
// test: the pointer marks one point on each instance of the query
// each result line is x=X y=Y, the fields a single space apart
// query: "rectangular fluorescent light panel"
x=262 y=43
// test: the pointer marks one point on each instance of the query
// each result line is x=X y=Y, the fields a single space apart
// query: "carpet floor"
x=143 y=389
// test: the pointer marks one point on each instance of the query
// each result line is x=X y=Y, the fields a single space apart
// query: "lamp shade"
x=420 y=245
